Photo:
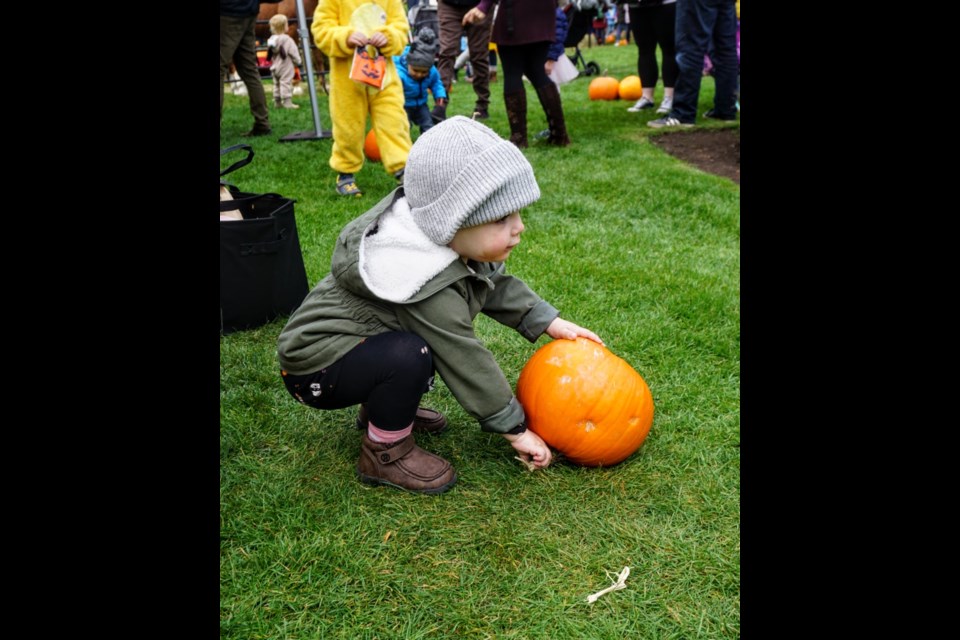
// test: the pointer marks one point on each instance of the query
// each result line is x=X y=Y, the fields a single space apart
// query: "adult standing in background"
x=653 y=23
x=238 y=43
x=621 y=31
x=700 y=23
x=450 y=15
x=523 y=31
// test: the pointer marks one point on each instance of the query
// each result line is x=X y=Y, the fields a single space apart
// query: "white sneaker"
x=665 y=106
x=642 y=103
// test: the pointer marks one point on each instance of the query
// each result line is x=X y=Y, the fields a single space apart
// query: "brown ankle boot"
x=516 y=105
x=426 y=420
x=404 y=465
x=550 y=101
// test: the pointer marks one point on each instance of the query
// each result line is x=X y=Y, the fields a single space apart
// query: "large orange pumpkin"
x=630 y=88
x=585 y=402
x=370 y=147
x=604 y=88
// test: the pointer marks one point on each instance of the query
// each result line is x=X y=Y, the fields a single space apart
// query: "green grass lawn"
x=625 y=240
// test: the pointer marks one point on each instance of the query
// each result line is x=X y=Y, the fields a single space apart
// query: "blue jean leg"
x=725 y=62
x=696 y=20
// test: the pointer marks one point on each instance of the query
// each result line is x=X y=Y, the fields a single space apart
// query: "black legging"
x=388 y=372
x=524 y=60
x=651 y=27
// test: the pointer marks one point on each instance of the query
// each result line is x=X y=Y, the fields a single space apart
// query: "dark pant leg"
x=478 y=41
x=245 y=59
x=643 y=24
x=534 y=57
x=665 y=24
x=695 y=20
x=511 y=59
x=388 y=372
x=420 y=116
x=230 y=33
x=451 y=29
x=725 y=61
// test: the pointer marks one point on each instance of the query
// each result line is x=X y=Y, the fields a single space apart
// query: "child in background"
x=407 y=280
x=419 y=75
x=339 y=28
x=556 y=49
x=284 y=55
x=462 y=62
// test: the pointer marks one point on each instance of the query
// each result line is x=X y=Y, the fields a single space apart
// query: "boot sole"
x=371 y=480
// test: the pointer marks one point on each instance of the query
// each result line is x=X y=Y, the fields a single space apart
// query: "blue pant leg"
x=725 y=61
x=695 y=20
x=419 y=115
x=424 y=118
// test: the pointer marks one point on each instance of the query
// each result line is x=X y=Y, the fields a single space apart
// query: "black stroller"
x=581 y=22
x=423 y=14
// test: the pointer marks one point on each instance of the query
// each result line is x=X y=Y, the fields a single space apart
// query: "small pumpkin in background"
x=585 y=402
x=610 y=39
x=604 y=88
x=630 y=88
x=370 y=148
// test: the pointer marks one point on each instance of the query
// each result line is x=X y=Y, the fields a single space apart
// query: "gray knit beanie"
x=460 y=173
x=423 y=51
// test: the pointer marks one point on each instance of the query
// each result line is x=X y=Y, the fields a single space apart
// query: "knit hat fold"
x=461 y=173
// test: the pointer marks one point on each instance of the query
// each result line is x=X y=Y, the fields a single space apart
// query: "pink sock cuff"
x=386 y=437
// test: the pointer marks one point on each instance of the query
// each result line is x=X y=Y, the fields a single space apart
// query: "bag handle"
x=230 y=205
x=239 y=163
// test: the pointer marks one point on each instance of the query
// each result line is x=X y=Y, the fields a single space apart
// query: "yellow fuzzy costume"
x=351 y=101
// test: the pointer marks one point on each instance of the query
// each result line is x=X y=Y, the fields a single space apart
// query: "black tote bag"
x=261 y=267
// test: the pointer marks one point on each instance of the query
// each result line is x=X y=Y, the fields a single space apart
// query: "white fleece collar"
x=399 y=259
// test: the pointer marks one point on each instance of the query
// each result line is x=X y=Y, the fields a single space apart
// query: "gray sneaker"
x=642 y=103
x=667 y=121
x=665 y=106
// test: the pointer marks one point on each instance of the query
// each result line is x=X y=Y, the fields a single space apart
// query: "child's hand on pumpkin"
x=530 y=446
x=566 y=330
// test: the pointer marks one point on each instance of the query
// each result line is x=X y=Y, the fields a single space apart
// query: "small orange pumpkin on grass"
x=604 y=88
x=630 y=88
x=370 y=147
x=585 y=402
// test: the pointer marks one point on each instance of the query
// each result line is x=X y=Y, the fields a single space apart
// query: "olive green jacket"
x=387 y=276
